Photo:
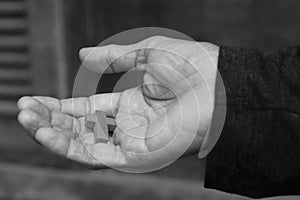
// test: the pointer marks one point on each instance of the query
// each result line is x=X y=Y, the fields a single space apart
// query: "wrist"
x=208 y=67
x=218 y=113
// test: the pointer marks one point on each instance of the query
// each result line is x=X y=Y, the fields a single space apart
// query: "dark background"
x=39 y=44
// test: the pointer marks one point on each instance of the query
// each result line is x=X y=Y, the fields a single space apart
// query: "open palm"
x=156 y=123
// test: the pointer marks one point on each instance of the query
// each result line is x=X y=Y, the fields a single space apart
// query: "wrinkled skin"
x=174 y=105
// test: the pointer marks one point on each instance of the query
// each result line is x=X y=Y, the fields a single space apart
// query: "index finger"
x=82 y=106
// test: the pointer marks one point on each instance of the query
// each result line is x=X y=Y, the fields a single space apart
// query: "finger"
x=32 y=121
x=65 y=122
x=35 y=105
x=97 y=155
x=53 y=140
x=87 y=138
x=52 y=103
x=114 y=58
x=43 y=115
x=86 y=134
x=82 y=106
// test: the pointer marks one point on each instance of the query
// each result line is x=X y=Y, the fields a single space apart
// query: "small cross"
x=101 y=125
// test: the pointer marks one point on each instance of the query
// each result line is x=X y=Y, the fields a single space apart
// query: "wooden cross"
x=100 y=124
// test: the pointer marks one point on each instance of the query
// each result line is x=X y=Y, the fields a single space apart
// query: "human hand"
x=156 y=123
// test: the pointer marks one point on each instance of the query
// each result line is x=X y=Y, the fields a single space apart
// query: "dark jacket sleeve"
x=258 y=152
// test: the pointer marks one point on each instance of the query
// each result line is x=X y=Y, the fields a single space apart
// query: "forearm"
x=258 y=152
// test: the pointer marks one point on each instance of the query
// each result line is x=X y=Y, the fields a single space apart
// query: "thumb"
x=114 y=58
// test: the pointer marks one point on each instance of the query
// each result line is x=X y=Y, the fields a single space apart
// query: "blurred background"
x=39 y=44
